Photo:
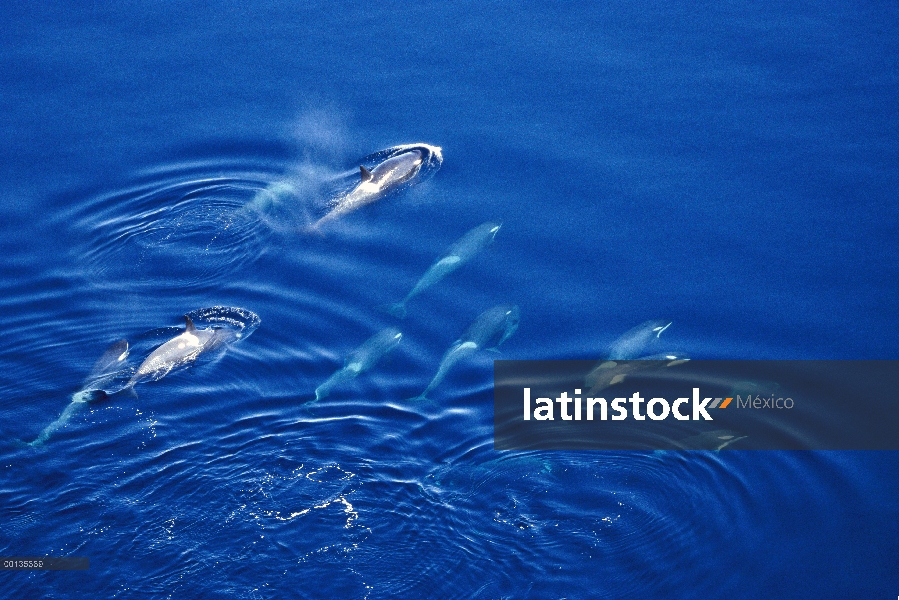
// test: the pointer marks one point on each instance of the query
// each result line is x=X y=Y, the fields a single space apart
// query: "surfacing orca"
x=458 y=254
x=497 y=323
x=399 y=168
x=362 y=359
x=180 y=350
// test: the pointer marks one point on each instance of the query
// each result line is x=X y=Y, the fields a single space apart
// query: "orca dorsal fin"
x=366 y=174
x=190 y=328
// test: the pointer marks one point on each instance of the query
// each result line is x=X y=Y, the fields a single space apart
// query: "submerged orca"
x=634 y=341
x=458 y=254
x=362 y=359
x=497 y=323
x=105 y=370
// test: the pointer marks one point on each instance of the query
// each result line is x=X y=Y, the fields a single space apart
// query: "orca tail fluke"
x=37 y=443
x=18 y=443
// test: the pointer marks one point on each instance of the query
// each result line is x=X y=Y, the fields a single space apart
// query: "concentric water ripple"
x=168 y=232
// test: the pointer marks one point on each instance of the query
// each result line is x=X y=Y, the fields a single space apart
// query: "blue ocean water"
x=731 y=168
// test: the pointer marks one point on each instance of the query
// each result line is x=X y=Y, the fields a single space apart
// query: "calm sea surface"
x=730 y=168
